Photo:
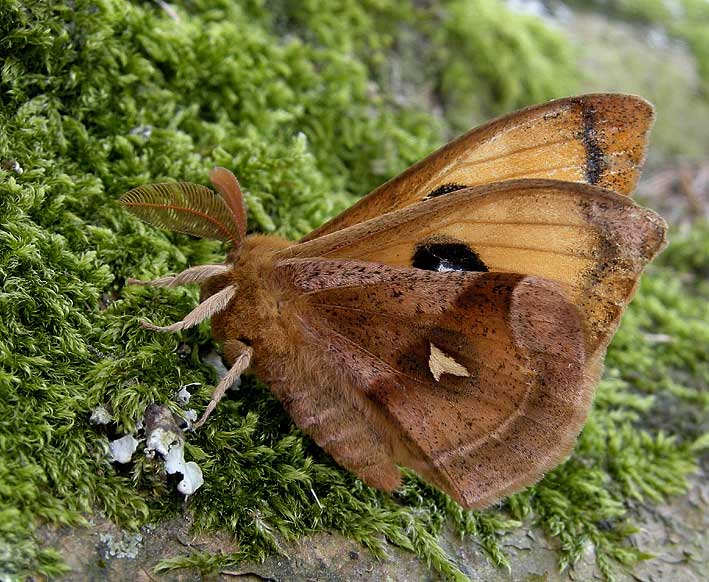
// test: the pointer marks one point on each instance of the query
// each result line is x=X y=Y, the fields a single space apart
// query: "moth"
x=454 y=321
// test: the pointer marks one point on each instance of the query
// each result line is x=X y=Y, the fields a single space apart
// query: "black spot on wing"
x=444 y=189
x=595 y=164
x=446 y=256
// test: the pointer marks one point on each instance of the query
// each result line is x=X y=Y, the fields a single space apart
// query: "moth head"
x=194 y=209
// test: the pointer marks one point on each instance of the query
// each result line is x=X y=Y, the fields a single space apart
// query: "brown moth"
x=453 y=321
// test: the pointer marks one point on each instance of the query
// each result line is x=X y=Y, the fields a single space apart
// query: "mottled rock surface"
x=677 y=533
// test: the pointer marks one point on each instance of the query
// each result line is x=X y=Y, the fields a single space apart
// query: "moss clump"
x=494 y=60
x=103 y=95
x=477 y=57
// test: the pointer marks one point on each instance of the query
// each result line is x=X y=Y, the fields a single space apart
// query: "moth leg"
x=209 y=307
x=241 y=363
x=195 y=274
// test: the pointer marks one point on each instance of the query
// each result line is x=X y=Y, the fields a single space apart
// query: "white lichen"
x=192 y=480
x=165 y=437
x=127 y=547
x=144 y=131
x=12 y=165
x=183 y=395
x=100 y=415
x=191 y=473
x=122 y=449
x=161 y=440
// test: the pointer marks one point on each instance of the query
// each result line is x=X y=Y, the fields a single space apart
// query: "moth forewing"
x=598 y=139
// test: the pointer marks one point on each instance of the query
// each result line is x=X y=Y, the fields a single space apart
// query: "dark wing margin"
x=514 y=384
x=597 y=139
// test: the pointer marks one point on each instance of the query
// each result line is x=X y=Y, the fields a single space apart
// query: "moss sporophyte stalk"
x=100 y=96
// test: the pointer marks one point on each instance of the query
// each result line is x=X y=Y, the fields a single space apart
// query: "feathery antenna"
x=191 y=208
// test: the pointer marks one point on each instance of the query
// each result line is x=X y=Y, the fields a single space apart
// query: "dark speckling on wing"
x=513 y=415
x=595 y=163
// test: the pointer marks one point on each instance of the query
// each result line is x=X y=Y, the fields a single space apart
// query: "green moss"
x=103 y=95
x=478 y=57
x=492 y=60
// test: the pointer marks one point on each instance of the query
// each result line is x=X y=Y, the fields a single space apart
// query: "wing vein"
x=511 y=153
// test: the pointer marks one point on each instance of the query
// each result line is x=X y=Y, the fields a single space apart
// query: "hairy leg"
x=241 y=363
x=209 y=307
